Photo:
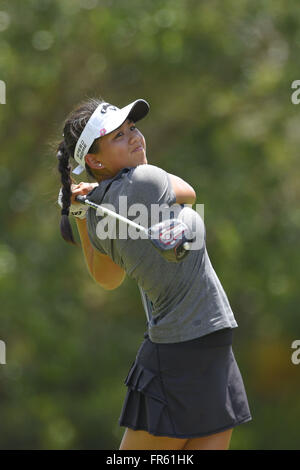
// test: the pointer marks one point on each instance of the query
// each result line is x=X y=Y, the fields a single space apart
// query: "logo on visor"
x=102 y=132
x=81 y=148
x=107 y=106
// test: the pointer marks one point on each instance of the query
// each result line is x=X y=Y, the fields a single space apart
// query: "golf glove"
x=77 y=210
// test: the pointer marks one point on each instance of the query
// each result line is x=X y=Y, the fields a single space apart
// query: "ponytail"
x=73 y=127
x=65 y=171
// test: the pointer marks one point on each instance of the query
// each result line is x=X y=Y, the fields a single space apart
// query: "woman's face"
x=124 y=147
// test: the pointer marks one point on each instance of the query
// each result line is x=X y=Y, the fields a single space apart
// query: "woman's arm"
x=101 y=267
x=185 y=194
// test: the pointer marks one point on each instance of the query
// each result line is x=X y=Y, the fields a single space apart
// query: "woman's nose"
x=134 y=137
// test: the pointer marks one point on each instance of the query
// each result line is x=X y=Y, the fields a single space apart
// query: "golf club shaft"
x=83 y=200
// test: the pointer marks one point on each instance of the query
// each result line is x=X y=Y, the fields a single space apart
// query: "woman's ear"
x=92 y=162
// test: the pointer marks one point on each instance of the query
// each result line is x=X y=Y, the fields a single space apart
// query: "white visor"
x=105 y=119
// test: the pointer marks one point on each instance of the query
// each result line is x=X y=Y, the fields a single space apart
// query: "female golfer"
x=184 y=389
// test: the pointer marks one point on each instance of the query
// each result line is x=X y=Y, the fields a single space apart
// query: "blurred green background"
x=218 y=77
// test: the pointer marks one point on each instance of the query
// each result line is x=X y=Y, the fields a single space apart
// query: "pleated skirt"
x=184 y=390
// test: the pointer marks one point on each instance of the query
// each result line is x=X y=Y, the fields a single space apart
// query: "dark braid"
x=73 y=128
x=65 y=169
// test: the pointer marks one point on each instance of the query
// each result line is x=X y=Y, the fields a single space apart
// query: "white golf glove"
x=77 y=210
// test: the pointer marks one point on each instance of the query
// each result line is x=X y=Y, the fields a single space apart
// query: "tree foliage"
x=218 y=77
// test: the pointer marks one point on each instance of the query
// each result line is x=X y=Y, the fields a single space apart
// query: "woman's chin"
x=142 y=160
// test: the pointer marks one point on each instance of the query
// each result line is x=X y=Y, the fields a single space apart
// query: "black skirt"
x=185 y=390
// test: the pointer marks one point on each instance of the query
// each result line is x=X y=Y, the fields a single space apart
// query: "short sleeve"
x=151 y=185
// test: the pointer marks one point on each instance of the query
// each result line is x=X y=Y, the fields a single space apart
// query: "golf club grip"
x=80 y=199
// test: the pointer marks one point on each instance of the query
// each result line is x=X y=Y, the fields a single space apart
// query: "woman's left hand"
x=76 y=208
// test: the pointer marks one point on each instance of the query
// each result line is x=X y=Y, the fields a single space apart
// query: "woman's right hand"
x=81 y=189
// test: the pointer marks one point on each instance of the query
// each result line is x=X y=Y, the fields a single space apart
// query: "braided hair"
x=73 y=127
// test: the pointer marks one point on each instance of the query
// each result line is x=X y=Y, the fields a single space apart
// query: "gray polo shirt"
x=182 y=301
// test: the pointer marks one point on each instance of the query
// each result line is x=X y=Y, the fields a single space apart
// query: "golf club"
x=170 y=237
